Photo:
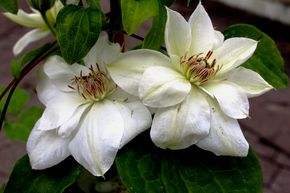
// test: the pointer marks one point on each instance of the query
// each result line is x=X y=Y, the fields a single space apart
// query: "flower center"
x=95 y=86
x=197 y=68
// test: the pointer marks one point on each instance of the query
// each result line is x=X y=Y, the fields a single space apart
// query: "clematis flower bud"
x=41 y=5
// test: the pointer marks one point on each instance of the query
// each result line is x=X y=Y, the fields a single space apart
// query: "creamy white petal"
x=33 y=20
x=103 y=52
x=137 y=118
x=61 y=74
x=28 y=38
x=225 y=137
x=233 y=53
x=231 y=99
x=96 y=144
x=70 y=126
x=46 y=148
x=128 y=69
x=250 y=82
x=182 y=125
x=177 y=34
x=202 y=32
x=59 y=110
x=219 y=39
x=46 y=91
x=163 y=87
x=120 y=95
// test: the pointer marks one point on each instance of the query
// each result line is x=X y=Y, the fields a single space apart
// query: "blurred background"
x=268 y=129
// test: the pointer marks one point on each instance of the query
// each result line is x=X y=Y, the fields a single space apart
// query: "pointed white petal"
x=61 y=74
x=219 y=39
x=250 y=82
x=59 y=110
x=46 y=148
x=202 y=31
x=68 y=127
x=177 y=34
x=182 y=125
x=28 y=38
x=103 y=52
x=96 y=144
x=128 y=69
x=233 y=53
x=33 y=20
x=120 y=95
x=137 y=118
x=46 y=91
x=163 y=87
x=232 y=101
x=225 y=137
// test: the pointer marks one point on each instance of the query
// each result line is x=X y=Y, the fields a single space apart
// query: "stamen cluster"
x=198 y=69
x=95 y=86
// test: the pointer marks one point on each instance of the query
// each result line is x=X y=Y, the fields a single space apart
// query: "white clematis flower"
x=86 y=115
x=199 y=90
x=33 y=20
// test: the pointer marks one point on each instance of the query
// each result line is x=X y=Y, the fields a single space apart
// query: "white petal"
x=232 y=101
x=46 y=91
x=59 y=110
x=233 y=53
x=61 y=74
x=68 y=127
x=33 y=20
x=225 y=137
x=46 y=148
x=128 y=69
x=120 y=95
x=137 y=118
x=163 y=87
x=250 y=82
x=96 y=144
x=182 y=125
x=177 y=34
x=202 y=31
x=219 y=39
x=28 y=38
x=103 y=52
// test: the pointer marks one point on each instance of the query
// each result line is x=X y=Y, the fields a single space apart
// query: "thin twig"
x=14 y=83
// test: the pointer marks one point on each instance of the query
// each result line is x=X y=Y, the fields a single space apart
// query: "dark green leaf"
x=144 y=168
x=21 y=128
x=2 y=188
x=95 y=4
x=41 y=5
x=52 y=180
x=77 y=30
x=17 y=103
x=134 y=13
x=18 y=64
x=267 y=60
x=10 y=5
x=155 y=37
x=167 y=2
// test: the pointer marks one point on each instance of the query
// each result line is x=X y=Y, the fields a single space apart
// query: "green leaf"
x=95 y=4
x=52 y=180
x=167 y=2
x=18 y=101
x=18 y=64
x=10 y=5
x=135 y=12
x=21 y=128
x=155 y=37
x=2 y=188
x=267 y=60
x=144 y=168
x=77 y=30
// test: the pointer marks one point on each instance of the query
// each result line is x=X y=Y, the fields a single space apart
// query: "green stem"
x=14 y=83
x=51 y=28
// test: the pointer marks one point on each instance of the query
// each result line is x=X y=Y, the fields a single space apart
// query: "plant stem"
x=14 y=83
x=51 y=28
